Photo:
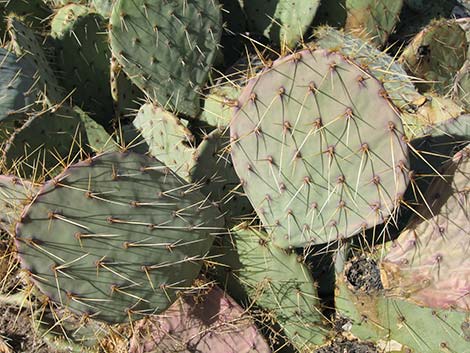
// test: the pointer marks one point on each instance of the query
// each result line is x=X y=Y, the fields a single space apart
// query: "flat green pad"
x=16 y=84
x=283 y=21
x=275 y=281
x=167 y=47
x=168 y=139
x=115 y=236
x=319 y=149
x=47 y=140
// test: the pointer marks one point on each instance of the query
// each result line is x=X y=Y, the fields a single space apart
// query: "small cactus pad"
x=436 y=54
x=430 y=264
x=115 y=236
x=373 y=19
x=168 y=139
x=208 y=322
x=319 y=149
x=283 y=21
x=165 y=49
x=276 y=281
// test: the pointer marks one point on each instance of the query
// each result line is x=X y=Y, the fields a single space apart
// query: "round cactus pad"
x=115 y=236
x=319 y=149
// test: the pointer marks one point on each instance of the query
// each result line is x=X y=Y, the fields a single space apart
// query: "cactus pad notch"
x=319 y=149
x=115 y=237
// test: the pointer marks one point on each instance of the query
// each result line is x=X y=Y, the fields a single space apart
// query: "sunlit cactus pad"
x=318 y=148
x=115 y=236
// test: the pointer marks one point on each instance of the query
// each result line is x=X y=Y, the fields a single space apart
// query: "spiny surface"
x=318 y=149
x=207 y=322
x=274 y=280
x=373 y=20
x=430 y=264
x=167 y=47
x=115 y=237
x=283 y=21
x=168 y=139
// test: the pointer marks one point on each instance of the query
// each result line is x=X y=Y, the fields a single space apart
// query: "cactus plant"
x=115 y=237
x=168 y=139
x=176 y=32
x=275 y=281
x=284 y=22
x=372 y=19
x=314 y=158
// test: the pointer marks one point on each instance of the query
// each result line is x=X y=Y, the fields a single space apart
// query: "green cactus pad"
x=48 y=140
x=65 y=17
x=398 y=324
x=16 y=85
x=103 y=7
x=33 y=12
x=436 y=54
x=373 y=20
x=83 y=56
x=214 y=171
x=393 y=76
x=98 y=139
x=168 y=139
x=275 y=281
x=318 y=148
x=14 y=195
x=208 y=322
x=283 y=21
x=26 y=44
x=167 y=47
x=429 y=264
x=115 y=237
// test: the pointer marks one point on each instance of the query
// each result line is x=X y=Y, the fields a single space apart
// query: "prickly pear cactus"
x=436 y=54
x=283 y=21
x=428 y=265
x=206 y=322
x=396 y=82
x=44 y=143
x=82 y=55
x=276 y=281
x=25 y=43
x=17 y=92
x=213 y=170
x=314 y=157
x=168 y=139
x=373 y=20
x=115 y=237
x=164 y=48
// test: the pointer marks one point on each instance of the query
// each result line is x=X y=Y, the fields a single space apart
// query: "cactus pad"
x=115 y=237
x=164 y=48
x=318 y=148
x=168 y=139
